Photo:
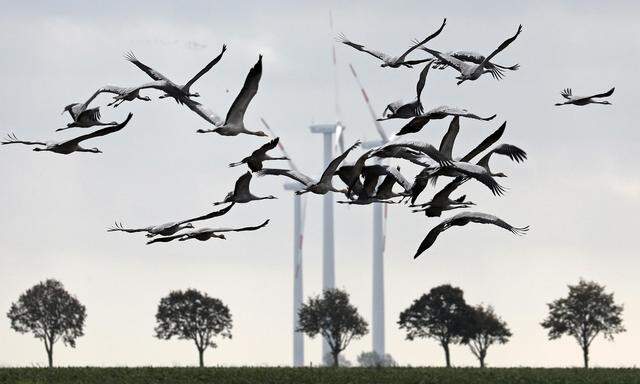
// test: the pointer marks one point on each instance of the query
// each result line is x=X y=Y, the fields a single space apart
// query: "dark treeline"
x=52 y=314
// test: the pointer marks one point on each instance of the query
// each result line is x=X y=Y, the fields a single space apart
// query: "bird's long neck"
x=254 y=133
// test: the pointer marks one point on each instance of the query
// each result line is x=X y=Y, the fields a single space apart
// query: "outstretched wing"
x=566 y=93
x=422 y=79
x=502 y=46
x=485 y=218
x=481 y=175
x=165 y=239
x=12 y=139
x=446 y=144
x=399 y=178
x=114 y=89
x=155 y=75
x=353 y=179
x=206 y=69
x=414 y=125
x=421 y=42
x=89 y=115
x=369 y=185
x=99 y=132
x=431 y=237
x=90 y=99
x=335 y=163
x=242 y=184
x=209 y=215
x=452 y=111
x=379 y=55
x=160 y=85
x=242 y=229
x=605 y=94
x=473 y=57
x=118 y=227
x=450 y=60
x=295 y=175
x=248 y=91
x=204 y=112
x=486 y=143
x=420 y=146
x=448 y=189
x=266 y=147
x=514 y=153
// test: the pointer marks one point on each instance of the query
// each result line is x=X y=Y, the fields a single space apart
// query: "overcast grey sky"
x=579 y=191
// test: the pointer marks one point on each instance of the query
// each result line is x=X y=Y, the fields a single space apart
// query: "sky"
x=578 y=190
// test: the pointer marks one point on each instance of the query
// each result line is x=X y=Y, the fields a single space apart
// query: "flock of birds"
x=365 y=182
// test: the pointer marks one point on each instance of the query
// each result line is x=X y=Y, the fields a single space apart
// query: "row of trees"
x=51 y=314
x=443 y=315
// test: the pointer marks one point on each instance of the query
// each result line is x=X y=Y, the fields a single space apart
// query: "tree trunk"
x=50 y=356
x=585 y=356
x=201 y=356
x=336 y=361
x=481 y=358
x=447 y=358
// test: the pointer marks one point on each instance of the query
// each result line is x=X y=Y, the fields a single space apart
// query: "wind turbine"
x=379 y=237
x=299 y=208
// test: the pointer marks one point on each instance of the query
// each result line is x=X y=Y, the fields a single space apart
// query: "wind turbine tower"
x=298 y=236
x=328 y=243
x=379 y=220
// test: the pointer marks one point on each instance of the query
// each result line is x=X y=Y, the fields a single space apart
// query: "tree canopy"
x=584 y=314
x=192 y=315
x=483 y=329
x=334 y=318
x=49 y=312
x=439 y=314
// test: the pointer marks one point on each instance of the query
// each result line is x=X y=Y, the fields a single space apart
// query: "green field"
x=319 y=375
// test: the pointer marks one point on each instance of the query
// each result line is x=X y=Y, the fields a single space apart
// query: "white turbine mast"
x=299 y=208
x=379 y=239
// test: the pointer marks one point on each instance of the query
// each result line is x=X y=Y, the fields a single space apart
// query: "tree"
x=484 y=328
x=374 y=359
x=439 y=315
x=584 y=314
x=49 y=312
x=334 y=318
x=192 y=315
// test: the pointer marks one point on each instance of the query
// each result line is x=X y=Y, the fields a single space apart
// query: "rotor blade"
x=381 y=132
x=335 y=70
x=338 y=145
x=284 y=151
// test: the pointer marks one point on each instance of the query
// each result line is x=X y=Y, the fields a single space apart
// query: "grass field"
x=318 y=375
